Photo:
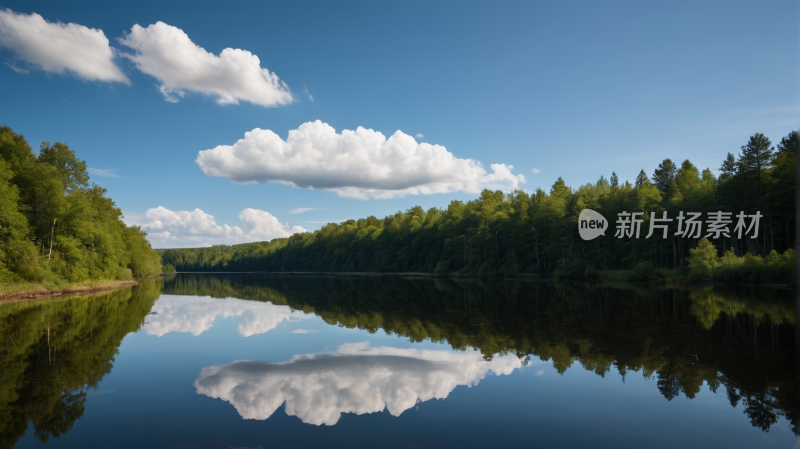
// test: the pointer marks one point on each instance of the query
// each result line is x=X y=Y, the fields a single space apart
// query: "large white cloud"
x=166 y=53
x=197 y=315
x=196 y=227
x=318 y=388
x=357 y=164
x=59 y=47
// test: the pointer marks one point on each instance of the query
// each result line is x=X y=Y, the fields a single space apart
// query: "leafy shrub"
x=702 y=261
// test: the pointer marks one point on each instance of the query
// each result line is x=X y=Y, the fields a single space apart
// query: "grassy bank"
x=33 y=290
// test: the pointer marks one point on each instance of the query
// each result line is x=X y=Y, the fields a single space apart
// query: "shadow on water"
x=54 y=351
x=736 y=340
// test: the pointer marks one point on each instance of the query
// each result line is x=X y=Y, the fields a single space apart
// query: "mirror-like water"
x=235 y=361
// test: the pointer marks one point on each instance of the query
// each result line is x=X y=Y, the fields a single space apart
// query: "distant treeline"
x=515 y=233
x=55 y=227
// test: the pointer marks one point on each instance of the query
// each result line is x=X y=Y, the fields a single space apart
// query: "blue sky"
x=571 y=89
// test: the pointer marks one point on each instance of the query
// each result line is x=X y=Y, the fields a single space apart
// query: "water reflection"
x=197 y=315
x=736 y=342
x=318 y=388
x=681 y=337
x=53 y=351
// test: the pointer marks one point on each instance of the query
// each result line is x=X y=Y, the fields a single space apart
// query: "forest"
x=55 y=227
x=510 y=234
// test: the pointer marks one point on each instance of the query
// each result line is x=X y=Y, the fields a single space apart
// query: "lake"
x=251 y=360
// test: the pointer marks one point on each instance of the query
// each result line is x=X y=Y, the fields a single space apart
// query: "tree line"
x=56 y=227
x=518 y=232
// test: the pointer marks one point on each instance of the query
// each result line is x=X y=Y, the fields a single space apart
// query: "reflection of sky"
x=318 y=388
x=197 y=315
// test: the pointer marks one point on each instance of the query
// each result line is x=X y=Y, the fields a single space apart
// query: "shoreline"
x=35 y=291
x=451 y=275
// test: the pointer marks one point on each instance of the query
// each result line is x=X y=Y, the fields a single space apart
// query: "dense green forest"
x=55 y=227
x=680 y=336
x=515 y=233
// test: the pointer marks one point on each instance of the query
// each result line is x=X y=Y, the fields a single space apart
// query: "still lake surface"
x=248 y=361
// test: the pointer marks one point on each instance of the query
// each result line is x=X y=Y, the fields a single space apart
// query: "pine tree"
x=642 y=179
x=757 y=156
x=664 y=178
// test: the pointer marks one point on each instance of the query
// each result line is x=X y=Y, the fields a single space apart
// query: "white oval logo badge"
x=591 y=224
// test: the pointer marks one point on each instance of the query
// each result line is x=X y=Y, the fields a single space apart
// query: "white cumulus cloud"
x=197 y=315
x=419 y=136
x=59 y=47
x=357 y=164
x=318 y=388
x=196 y=227
x=166 y=53
x=536 y=171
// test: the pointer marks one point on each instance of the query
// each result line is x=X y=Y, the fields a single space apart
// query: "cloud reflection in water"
x=318 y=388
x=197 y=315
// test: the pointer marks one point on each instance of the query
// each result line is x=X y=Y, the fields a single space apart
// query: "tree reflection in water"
x=682 y=337
x=736 y=338
x=54 y=350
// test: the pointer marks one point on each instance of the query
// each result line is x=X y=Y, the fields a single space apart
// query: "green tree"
x=54 y=227
x=703 y=260
x=72 y=171
x=641 y=179
x=756 y=157
x=664 y=178
x=18 y=260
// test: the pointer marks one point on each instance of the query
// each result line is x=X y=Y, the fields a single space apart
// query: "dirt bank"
x=32 y=291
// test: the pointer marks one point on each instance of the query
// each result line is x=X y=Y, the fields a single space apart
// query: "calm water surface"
x=247 y=361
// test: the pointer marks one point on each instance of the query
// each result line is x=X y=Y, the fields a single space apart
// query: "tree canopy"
x=56 y=227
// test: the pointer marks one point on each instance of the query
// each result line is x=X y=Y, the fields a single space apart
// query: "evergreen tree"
x=757 y=156
x=642 y=179
x=790 y=144
x=664 y=178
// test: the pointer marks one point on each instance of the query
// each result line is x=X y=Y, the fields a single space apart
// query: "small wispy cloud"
x=419 y=136
x=303 y=331
x=105 y=172
x=17 y=69
x=300 y=210
x=322 y=221
x=307 y=93
x=539 y=373
x=536 y=171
